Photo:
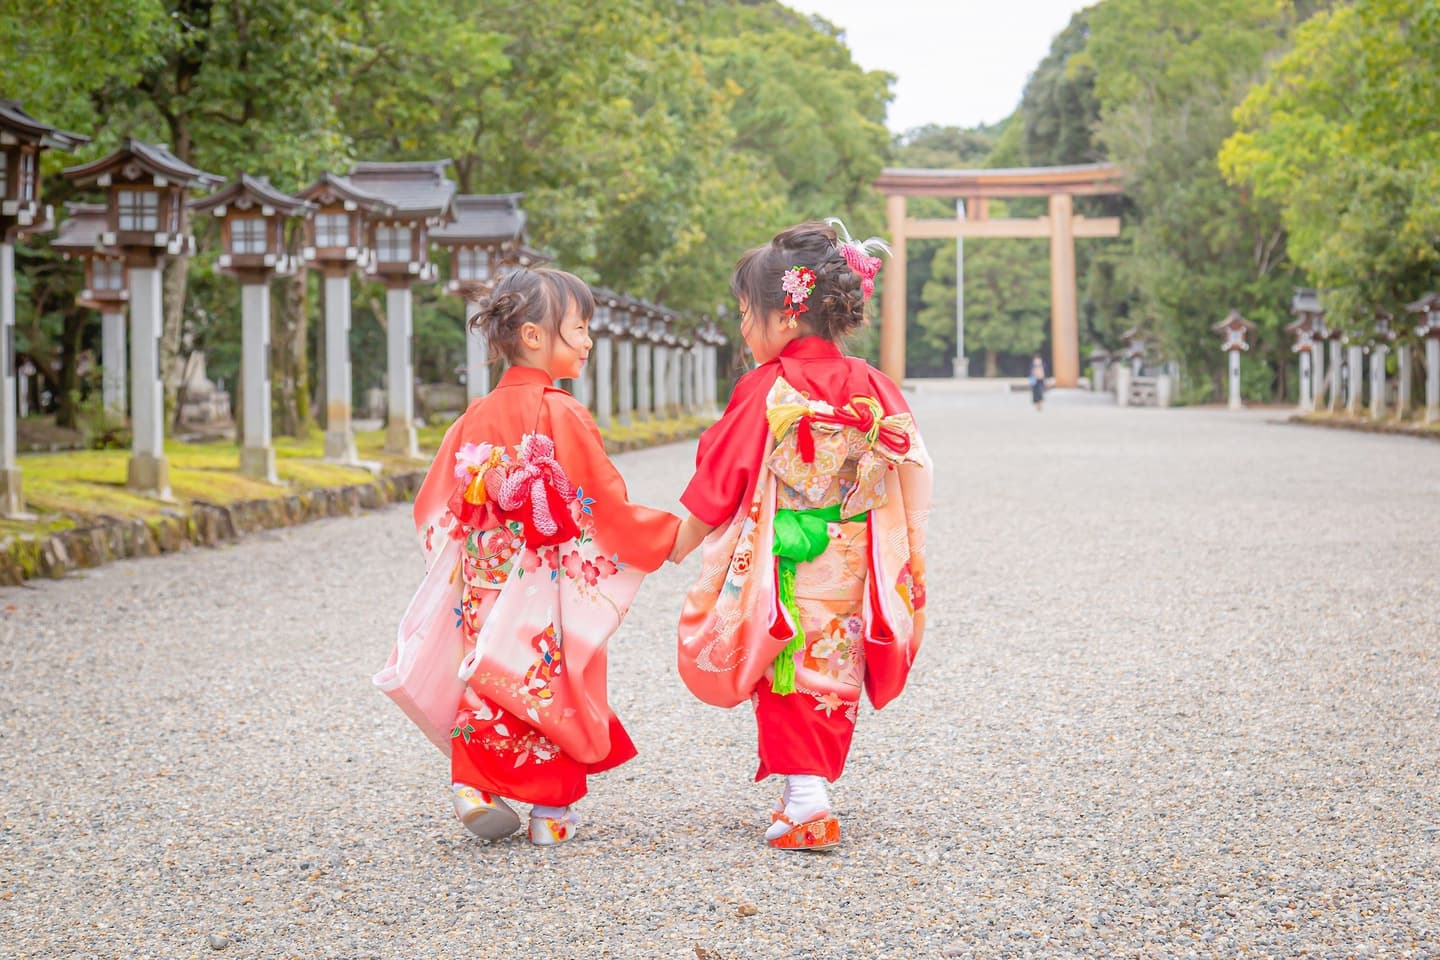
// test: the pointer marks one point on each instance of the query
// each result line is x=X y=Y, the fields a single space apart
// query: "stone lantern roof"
x=134 y=158
x=414 y=190
x=1236 y=328
x=19 y=124
x=1428 y=308
x=483 y=219
x=80 y=233
x=245 y=192
x=330 y=188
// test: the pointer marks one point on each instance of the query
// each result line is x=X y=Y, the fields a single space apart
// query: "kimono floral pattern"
x=492 y=729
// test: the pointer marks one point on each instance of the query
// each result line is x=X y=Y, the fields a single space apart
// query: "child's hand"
x=692 y=531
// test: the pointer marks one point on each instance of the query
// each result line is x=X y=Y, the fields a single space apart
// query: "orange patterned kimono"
x=813 y=584
x=530 y=522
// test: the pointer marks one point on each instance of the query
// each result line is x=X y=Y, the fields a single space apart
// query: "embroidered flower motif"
x=530 y=561
x=606 y=566
x=590 y=572
x=741 y=564
x=829 y=702
x=574 y=565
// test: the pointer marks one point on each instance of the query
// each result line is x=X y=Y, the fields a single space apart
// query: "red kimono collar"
x=812 y=348
x=519 y=376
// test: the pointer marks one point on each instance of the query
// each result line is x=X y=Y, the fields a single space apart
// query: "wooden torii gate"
x=1061 y=184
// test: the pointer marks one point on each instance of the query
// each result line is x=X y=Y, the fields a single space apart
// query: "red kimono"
x=550 y=544
x=817 y=459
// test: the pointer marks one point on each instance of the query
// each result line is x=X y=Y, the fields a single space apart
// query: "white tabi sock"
x=805 y=797
x=554 y=813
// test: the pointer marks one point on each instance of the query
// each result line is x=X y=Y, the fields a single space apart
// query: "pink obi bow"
x=538 y=478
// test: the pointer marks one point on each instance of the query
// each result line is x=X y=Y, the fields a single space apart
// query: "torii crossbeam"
x=977 y=187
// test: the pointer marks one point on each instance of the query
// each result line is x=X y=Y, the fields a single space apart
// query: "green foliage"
x=1344 y=135
x=1167 y=76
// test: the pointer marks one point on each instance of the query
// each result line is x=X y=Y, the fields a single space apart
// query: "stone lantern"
x=419 y=197
x=22 y=140
x=145 y=220
x=1427 y=328
x=1135 y=348
x=1235 y=329
x=519 y=256
x=105 y=291
x=335 y=246
x=672 y=340
x=485 y=226
x=252 y=218
x=711 y=340
x=640 y=322
x=1305 y=329
x=658 y=351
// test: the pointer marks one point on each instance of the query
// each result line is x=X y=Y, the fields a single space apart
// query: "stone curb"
x=104 y=539
x=1366 y=426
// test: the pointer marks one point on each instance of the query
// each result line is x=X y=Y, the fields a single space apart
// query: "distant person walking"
x=1037 y=381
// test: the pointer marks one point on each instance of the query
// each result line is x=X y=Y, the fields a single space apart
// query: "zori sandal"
x=549 y=831
x=486 y=816
x=820 y=832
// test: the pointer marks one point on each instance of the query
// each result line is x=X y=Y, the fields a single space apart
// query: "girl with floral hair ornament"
x=811 y=496
x=533 y=554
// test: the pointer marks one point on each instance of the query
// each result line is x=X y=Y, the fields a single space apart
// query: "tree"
x=1168 y=75
x=1342 y=135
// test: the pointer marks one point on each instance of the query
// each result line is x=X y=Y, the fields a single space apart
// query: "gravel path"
x=1178 y=698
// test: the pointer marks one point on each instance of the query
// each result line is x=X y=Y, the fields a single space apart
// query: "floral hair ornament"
x=798 y=283
x=859 y=256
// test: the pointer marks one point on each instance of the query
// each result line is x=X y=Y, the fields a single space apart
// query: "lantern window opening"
x=392 y=244
x=4 y=174
x=247 y=235
x=27 y=177
x=139 y=210
x=332 y=230
x=175 y=211
x=473 y=264
x=109 y=274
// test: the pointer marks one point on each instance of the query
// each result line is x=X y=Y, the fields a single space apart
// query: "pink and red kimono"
x=813 y=580
x=533 y=555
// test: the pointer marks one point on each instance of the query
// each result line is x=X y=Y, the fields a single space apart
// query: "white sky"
x=958 y=62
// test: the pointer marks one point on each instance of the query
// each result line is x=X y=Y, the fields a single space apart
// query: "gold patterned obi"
x=825 y=455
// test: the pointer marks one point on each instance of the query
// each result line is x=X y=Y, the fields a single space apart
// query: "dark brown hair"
x=837 y=306
x=541 y=296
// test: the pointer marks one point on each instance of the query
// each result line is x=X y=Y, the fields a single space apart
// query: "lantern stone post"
x=1305 y=305
x=419 y=198
x=602 y=358
x=336 y=244
x=104 y=290
x=252 y=232
x=1235 y=329
x=644 y=362
x=1380 y=349
x=1427 y=329
x=485 y=227
x=22 y=139
x=625 y=360
x=146 y=187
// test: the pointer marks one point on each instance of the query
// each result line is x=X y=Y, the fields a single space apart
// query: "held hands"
x=692 y=531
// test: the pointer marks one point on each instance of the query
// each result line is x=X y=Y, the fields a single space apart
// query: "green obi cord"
x=800 y=536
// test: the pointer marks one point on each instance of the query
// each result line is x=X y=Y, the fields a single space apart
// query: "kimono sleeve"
x=732 y=449
x=642 y=536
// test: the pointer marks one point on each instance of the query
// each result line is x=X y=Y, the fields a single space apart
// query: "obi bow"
x=539 y=483
x=825 y=437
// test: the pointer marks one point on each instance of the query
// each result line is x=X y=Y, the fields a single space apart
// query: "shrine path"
x=1180 y=696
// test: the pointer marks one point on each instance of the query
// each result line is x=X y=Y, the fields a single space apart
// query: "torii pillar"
x=1061 y=226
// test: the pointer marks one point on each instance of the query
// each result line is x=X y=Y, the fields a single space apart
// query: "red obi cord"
x=859 y=413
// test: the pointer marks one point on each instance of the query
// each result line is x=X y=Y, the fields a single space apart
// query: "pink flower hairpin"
x=858 y=256
x=798 y=283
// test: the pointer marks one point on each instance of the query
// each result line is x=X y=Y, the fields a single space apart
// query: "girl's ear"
x=530 y=335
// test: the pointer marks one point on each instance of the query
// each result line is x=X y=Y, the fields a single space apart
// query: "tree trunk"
x=992 y=364
x=289 y=351
x=173 y=355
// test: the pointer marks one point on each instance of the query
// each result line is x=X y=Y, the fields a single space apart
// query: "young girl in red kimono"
x=811 y=495
x=533 y=554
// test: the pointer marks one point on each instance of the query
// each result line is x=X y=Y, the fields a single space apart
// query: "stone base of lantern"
x=12 y=500
x=149 y=474
x=400 y=440
x=258 y=462
x=340 y=447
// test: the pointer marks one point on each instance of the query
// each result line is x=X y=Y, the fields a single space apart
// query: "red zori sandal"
x=820 y=832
